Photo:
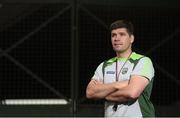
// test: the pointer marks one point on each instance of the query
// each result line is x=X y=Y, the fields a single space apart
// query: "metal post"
x=74 y=58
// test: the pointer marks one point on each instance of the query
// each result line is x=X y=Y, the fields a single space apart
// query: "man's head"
x=123 y=24
x=122 y=35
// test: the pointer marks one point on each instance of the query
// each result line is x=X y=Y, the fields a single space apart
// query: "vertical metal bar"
x=74 y=58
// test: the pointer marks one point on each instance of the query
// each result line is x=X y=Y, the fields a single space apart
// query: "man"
x=125 y=81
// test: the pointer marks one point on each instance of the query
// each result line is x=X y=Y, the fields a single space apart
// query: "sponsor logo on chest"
x=110 y=72
x=124 y=70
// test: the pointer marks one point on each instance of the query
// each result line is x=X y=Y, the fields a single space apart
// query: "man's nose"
x=118 y=38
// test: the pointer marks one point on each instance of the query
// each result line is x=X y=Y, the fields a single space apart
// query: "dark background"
x=51 y=48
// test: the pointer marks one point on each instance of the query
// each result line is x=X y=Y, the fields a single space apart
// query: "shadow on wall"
x=171 y=110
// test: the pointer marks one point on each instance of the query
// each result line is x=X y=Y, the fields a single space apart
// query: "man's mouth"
x=118 y=44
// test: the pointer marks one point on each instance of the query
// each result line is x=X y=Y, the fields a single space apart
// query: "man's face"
x=121 y=40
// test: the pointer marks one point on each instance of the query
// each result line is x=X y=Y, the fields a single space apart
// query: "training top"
x=136 y=64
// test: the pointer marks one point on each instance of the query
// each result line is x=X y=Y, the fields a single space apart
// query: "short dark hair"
x=123 y=24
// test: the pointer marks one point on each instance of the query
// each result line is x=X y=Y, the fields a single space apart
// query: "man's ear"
x=132 y=38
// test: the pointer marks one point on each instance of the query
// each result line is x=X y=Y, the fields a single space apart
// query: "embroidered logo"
x=110 y=72
x=124 y=70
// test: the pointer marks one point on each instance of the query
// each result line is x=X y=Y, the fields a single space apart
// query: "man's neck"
x=125 y=54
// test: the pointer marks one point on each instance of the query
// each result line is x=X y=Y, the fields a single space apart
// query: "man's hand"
x=93 y=83
x=121 y=84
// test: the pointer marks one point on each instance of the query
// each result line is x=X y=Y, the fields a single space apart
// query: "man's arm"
x=131 y=92
x=98 y=90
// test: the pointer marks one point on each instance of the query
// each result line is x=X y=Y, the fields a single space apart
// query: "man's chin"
x=118 y=50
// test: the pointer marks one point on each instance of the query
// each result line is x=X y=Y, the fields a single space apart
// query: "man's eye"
x=113 y=35
x=122 y=34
